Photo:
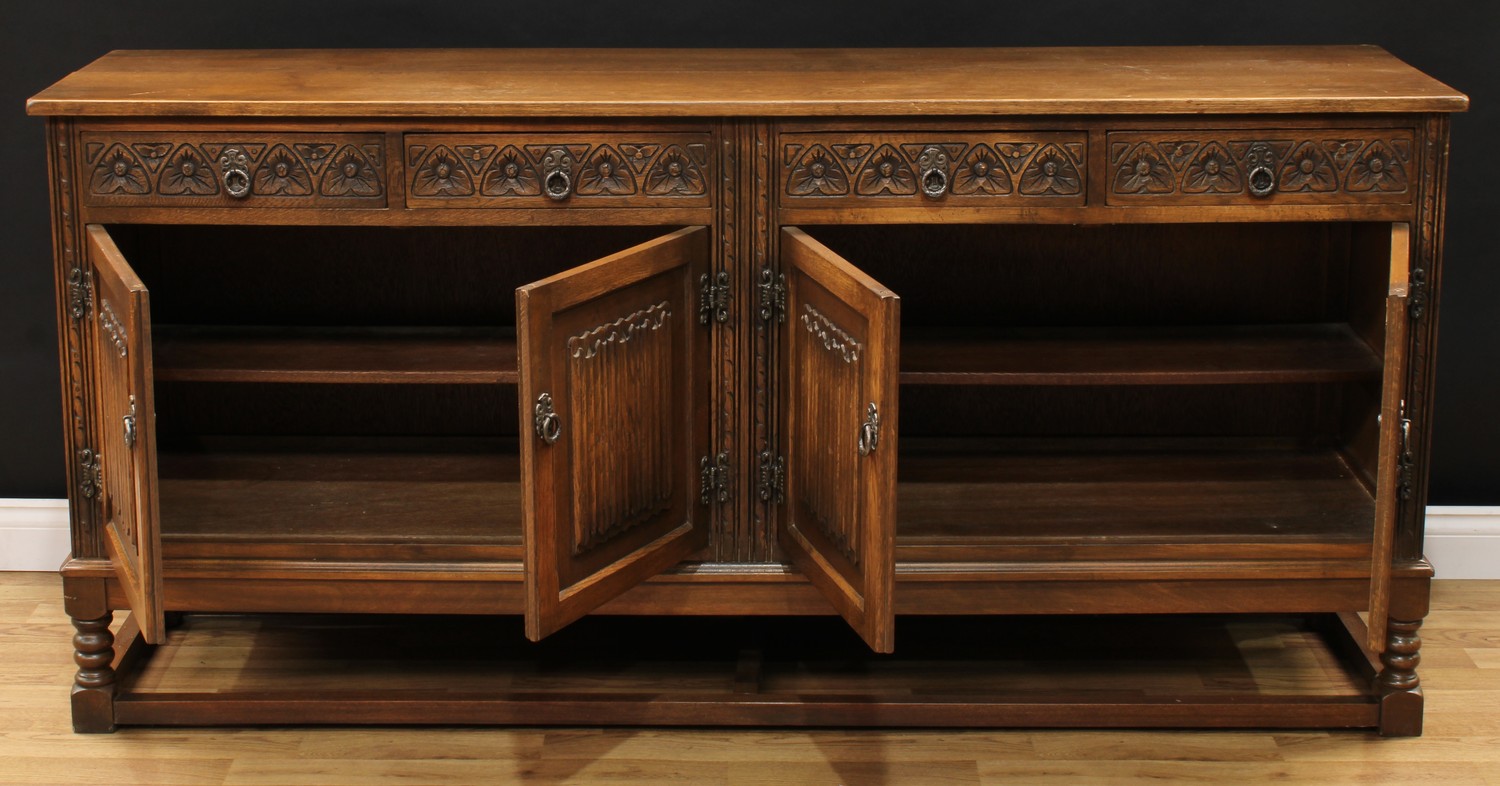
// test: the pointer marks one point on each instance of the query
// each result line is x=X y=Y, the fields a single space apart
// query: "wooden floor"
x=1460 y=672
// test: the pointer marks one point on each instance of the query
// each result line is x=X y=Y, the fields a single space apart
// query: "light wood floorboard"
x=1460 y=674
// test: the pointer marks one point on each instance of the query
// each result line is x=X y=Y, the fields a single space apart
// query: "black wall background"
x=1454 y=40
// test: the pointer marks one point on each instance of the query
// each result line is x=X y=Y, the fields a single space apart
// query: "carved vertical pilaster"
x=728 y=519
x=762 y=243
x=74 y=279
x=1426 y=275
x=94 y=684
x=1399 y=686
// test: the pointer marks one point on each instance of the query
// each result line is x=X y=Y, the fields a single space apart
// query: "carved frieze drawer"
x=265 y=169
x=977 y=169
x=651 y=169
x=1302 y=166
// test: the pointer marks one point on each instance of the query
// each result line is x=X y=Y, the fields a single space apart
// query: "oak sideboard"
x=942 y=341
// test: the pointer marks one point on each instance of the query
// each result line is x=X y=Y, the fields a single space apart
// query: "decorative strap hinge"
x=772 y=478
x=1416 y=302
x=90 y=475
x=80 y=293
x=772 y=296
x=714 y=478
x=713 y=297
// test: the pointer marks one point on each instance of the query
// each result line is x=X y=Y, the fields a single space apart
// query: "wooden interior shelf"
x=352 y=491
x=1163 y=492
x=370 y=355
x=1231 y=671
x=1137 y=355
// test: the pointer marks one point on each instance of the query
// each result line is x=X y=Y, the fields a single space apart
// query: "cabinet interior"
x=1208 y=390
x=1133 y=391
x=343 y=392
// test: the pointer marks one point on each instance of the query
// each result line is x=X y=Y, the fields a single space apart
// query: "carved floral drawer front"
x=266 y=169
x=651 y=169
x=914 y=169
x=1328 y=166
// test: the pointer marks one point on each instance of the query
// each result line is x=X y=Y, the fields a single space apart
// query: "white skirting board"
x=33 y=534
x=1463 y=542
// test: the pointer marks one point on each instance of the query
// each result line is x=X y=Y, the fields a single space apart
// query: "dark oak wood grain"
x=968 y=499
x=301 y=495
x=841 y=349
x=614 y=424
x=607 y=673
x=121 y=469
x=531 y=333
x=697 y=82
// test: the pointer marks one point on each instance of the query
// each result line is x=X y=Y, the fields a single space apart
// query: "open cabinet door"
x=125 y=413
x=839 y=372
x=1393 y=437
x=614 y=423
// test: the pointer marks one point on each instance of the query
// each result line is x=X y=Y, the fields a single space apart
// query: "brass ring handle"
x=869 y=431
x=1262 y=181
x=129 y=421
x=234 y=167
x=933 y=166
x=558 y=184
x=934 y=183
x=1261 y=176
x=545 y=421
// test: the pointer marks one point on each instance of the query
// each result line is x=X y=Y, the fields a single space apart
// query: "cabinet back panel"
x=1123 y=411
x=225 y=275
x=1135 y=274
x=185 y=410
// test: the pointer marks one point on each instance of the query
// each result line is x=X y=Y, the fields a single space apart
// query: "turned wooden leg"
x=1400 y=687
x=94 y=685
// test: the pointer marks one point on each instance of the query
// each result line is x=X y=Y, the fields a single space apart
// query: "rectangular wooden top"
x=745 y=82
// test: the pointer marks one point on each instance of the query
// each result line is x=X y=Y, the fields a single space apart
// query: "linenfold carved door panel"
x=125 y=458
x=1393 y=437
x=615 y=422
x=839 y=372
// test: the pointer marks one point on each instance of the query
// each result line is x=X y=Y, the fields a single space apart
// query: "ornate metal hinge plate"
x=713 y=294
x=772 y=296
x=90 y=475
x=772 y=478
x=714 y=478
x=1416 y=303
x=80 y=293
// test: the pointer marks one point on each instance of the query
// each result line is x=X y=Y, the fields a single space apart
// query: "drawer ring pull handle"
x=1262 y=181
x=234 y=166
x=1261 y=178
x=129 y=421
x=558 y=184
x=933 y=163
x=869 y=431
x=548 y=426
